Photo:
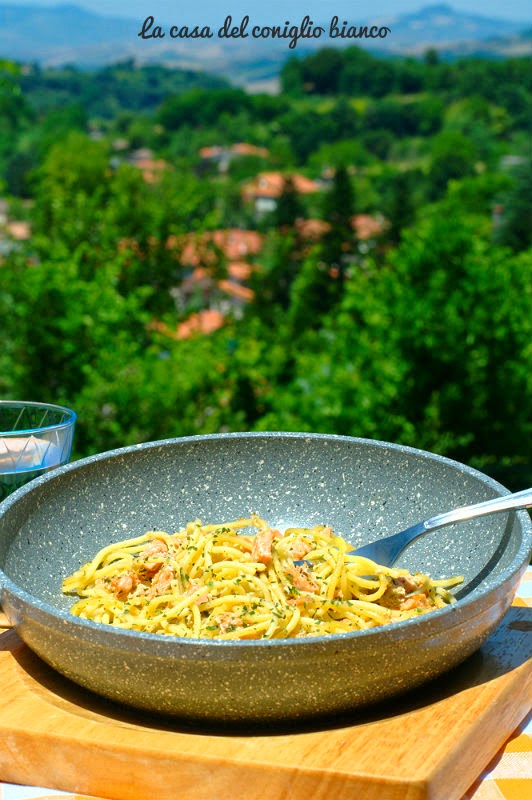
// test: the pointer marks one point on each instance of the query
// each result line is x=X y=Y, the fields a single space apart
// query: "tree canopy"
x=384 y=292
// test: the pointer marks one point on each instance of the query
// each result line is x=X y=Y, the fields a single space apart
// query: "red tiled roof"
x=151 y=168
x=236 y=290
x=238 y=149
x=200 y=279
x=244 y=149
x=272 y=184
x=239 y=270
x=366 y=226
x=19 y=230
x=211 y=152
x=203 y=322
x=234 y=243
x=313 y=229
x=206 y=321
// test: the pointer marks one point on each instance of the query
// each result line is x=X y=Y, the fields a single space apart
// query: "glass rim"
x=66 y=423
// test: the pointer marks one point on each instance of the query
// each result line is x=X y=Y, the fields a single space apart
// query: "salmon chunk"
x=262 y=545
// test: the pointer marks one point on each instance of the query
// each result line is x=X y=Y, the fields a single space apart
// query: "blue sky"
x=210 y=11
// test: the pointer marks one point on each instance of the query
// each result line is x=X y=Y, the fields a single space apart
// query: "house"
x=265 y=189
x=215 y=156
x=235 y=290
x=202 y=322
x=11 y=231
x=312 y=230
x=204 y=249
x=230 y=250
x=240 y=271
x=224 y=292
x=152 y=168
x=221 y=156
x=365 y=227
x=245 y=149
x=18 y=230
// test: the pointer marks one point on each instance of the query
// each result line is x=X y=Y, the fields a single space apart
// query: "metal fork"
x=386 y=551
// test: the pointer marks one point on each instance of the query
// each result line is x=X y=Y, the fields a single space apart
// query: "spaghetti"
x=229 y=582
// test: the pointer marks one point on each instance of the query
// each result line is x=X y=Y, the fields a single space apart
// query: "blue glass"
x=34 y=438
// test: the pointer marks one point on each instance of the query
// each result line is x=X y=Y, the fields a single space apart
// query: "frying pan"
x=366 y=489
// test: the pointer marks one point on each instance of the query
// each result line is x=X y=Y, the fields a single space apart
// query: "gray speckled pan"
x=365 y=489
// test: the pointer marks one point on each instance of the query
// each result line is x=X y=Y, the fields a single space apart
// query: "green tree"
x=321 y=71
x=515 y=228
x=71 y=191
x=15 y=113
x=312 y=294
x=57 y=322
x=462 y=327
x=363 y=74
x=306 y=130
x=279 y=266
x=339 y=241
x=201 y=106
x=344 y=377
x=18 y=174
x=343 y=153
x=401 y=203
x=291 y=77
x=453 y=156
x=289 y=207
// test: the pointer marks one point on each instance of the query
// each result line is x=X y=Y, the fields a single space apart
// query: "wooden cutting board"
x=430 y=745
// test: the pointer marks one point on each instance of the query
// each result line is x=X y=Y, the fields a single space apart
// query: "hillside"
x=350 y=256
x=67 y=34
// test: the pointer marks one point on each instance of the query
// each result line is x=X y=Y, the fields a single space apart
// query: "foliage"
x=515 y=229
x=105 y=92
x=353 y=71
x=15 y=114
x=421 y=335
x=462 y=325
x=453 y=156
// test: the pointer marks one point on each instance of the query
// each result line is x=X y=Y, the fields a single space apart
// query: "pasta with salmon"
x=246 y=580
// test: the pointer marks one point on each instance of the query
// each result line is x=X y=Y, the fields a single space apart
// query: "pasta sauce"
x=246 y=580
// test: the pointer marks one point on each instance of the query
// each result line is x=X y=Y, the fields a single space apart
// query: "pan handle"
x=4 y=622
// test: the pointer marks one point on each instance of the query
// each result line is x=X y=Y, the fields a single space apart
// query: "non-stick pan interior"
x=364 y=489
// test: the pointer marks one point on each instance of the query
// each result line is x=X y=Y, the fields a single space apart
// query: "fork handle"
x=386 y=551
x=507 y=502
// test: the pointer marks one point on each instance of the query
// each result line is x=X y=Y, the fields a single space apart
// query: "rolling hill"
x=68 y=34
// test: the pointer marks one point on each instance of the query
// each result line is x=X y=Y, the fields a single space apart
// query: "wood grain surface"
x=429 y=745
